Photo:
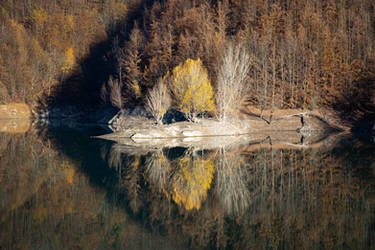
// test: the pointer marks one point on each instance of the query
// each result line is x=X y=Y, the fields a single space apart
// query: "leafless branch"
x=115 y=92
x=232 y=74
x=158 y=100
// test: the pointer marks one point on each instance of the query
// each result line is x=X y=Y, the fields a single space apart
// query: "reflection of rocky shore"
x=286 y=140
x=260 y=195
x=268 y=192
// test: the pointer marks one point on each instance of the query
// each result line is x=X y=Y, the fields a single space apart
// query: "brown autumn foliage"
x=42 y=42
x=304 y=54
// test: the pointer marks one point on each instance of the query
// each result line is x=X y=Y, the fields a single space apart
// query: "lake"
x=63 y=189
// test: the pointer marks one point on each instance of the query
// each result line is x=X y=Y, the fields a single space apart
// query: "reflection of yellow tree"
x=191 y=182
x=68 y=170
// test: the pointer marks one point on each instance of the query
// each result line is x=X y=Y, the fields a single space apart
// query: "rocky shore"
x=137 y=124
x=125 y=125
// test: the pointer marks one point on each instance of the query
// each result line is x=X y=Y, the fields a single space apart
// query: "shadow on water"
x=77 y=145
x=259 y=194
x=58 y=193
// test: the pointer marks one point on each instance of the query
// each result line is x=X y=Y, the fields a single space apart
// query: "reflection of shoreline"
x=231 y=167
x=248 y=142
x=265 y=190
x=260 y=191
x=14 y=126
x=185 y=179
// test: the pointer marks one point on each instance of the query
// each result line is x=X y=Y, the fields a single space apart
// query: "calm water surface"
x=61 y=189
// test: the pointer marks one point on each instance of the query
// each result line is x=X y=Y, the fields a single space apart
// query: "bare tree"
x=158 y=100
x=232 y=74
x=115 y=96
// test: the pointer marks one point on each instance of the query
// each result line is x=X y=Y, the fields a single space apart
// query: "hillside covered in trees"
x=310 y=55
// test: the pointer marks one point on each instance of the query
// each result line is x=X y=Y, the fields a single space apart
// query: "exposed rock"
x=15 y=111
x=153 y=134
x=290 y=119
x=128 y=126
x=192 y=133
x=205 y=127
x=144 y=145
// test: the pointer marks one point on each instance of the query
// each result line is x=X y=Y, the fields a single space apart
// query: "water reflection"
x=232 y=175
x=259 y=195
x=51 y=198
x=191 y=181
x=62 y=189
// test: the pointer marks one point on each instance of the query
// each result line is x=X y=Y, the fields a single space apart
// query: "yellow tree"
x=192 y=89
x=69 y=61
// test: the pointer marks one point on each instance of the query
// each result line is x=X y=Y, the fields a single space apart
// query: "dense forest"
x=43 y=43
x=302 y=54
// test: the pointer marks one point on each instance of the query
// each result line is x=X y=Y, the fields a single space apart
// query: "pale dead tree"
x=231 y=81
x=158 y=100
x=115 y=96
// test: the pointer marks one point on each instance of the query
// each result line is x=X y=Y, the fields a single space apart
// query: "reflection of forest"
x=47 y=202
x=62 y=190
x=255 y=197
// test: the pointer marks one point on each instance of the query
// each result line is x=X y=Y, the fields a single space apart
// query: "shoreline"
x=136 y=123
x=302 y=122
